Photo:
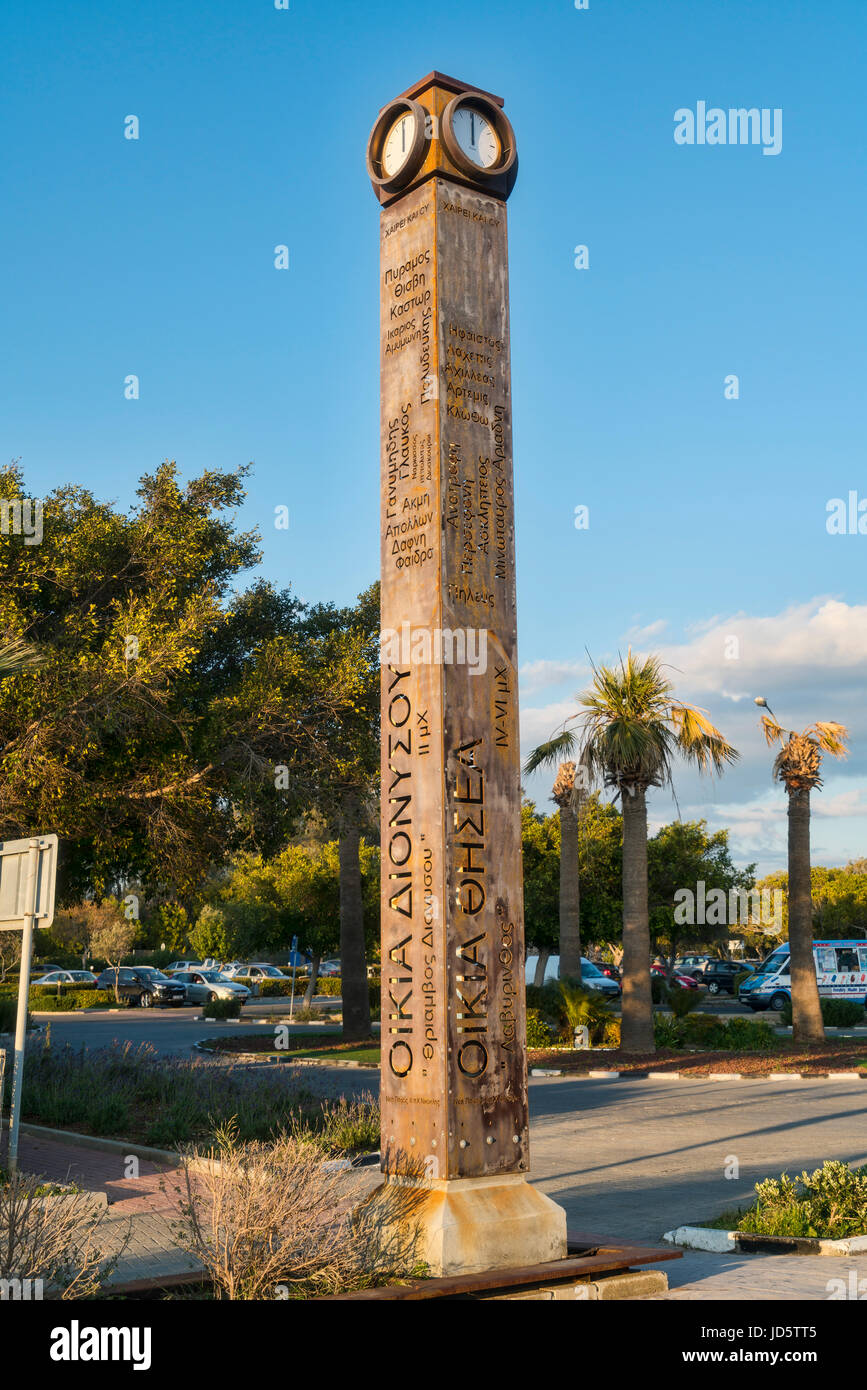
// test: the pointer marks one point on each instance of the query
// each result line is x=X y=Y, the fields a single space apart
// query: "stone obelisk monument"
x=442 y=161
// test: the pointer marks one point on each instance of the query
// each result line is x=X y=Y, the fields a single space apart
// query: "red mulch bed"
x=829 y=1056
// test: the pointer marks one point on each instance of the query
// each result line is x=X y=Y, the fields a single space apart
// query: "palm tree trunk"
x=311 y=983
x=570 y=896
x=636 y=1030
x=541 y=962
x=353 y=961
x=807 y=1025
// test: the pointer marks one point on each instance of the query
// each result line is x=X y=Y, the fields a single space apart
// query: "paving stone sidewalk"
x=140 y=1212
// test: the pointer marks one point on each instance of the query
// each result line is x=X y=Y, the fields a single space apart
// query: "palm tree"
x=632 y=729
x=797 y=766
x=566 y=795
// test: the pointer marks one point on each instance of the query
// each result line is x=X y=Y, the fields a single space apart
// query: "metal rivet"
x=516 y=1138
x=490 y=1139
x=463 y=1143
x=412 y=1140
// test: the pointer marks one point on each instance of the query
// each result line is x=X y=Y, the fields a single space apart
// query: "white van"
x=841 y=972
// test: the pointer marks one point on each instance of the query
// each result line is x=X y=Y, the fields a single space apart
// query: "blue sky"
x=707 y=515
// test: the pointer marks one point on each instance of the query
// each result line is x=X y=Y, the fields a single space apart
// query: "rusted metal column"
x=454 y=1076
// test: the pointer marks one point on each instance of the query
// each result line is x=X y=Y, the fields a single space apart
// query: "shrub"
x=658 y=989
x=836 y=1013
x=58 y=1242
x=830 y=1202
x=8 y=1015
x=611 y=1033
x=749 y=1035
x=538 y=1031
x=713 y=1034
x=583 y=1008
x=222 y=1008
x=345 y=1126
x=48 y=1000
x=328 y=984
x=267 y=989
x=161 y=1101
x=667 y=1031
x=269 y=1221
x=682 y=1001
x=702 y=1030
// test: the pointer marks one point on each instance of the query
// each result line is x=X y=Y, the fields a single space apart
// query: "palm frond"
x=18 y=655
x=699 y=740
x=774 y=732
x=830 y=737
x=554 y=751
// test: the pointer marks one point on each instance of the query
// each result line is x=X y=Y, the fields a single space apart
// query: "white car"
x=591 y=976
x=203 y=986
x=67 y=977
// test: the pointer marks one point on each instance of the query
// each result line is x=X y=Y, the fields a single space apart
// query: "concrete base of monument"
x=470 y=1225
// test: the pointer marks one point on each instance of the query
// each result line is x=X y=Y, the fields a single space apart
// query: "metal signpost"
x=294 y=959
x=28 y=874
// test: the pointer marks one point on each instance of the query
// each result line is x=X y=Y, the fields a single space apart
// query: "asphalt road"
x=171 y=1032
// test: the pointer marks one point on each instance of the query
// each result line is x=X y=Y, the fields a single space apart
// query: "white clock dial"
x=398 y=143
x=476 y=136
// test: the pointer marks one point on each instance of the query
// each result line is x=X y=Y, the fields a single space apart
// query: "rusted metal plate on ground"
x=610 y=1258
x=454 y=1082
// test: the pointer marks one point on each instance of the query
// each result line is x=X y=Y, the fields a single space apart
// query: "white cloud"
x=810 y=662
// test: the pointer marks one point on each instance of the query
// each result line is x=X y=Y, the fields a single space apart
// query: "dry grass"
x=56 y=1239
x=271 y=1220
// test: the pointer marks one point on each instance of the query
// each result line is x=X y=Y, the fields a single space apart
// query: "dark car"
x=124 y=982
x=718 y=976
x=607 y=969
x=157 y=987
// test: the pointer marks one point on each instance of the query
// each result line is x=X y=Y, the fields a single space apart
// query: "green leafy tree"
x=680 y=856
x=211 y=937
x=172 y=927
x=112 y=941
x=342 y=647
x=296 y=893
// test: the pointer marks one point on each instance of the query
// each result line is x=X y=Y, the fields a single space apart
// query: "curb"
x=256 y=1059
x=123 y=1147
x=856 y=1074
x=744 y=1243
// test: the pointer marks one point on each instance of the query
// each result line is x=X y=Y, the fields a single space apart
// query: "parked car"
x=38 y=971
x=718 y=976
x=329 y=967
x=593 y=978
x=124 y=982
x=157 y=988
x=688 y=963
x=79 y=978
x=184 y=965
x=611 y=971
x=678 y=977
x=262 y=971
x=203 y=986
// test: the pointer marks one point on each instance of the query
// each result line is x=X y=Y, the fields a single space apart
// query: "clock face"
x=476 y=136
x=398 y=143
